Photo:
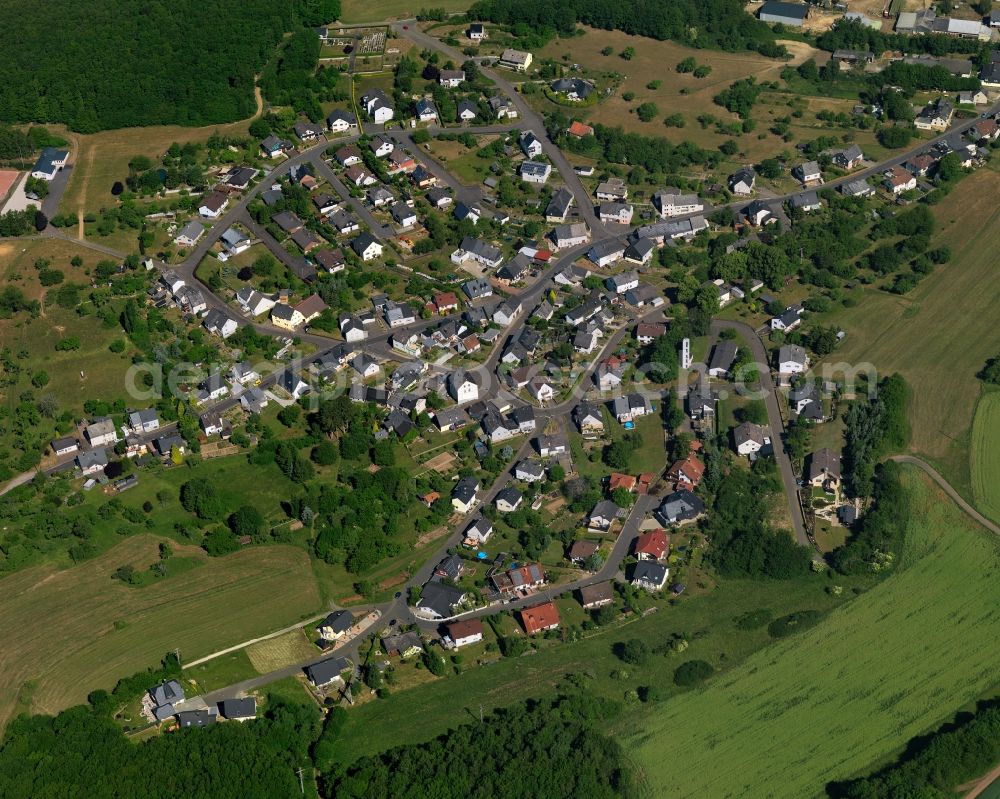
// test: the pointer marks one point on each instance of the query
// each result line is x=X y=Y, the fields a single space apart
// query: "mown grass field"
x=69 y=632
x=827 y=704
x=985 y=455
x=940 y=334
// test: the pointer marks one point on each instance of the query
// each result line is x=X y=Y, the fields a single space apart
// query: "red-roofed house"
x=617 y=480
x=687 y=473
x=430 y=498
x=540 y=618
x=645 y=482
x=445 y=301
x=652 y=545
x=987 y=129
x=579 y=129
x=463 y=633
x=471 y=344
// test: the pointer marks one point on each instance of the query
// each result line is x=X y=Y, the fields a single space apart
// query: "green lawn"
x=652 y=455
x=851 y=691
x=986 y=455
x=221 y=671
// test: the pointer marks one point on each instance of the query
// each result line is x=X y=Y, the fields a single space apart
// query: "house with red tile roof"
x=687 y=473
x=653 y=545
x=579 y=129
x=539 y=618
x=465 y=632
x=617 y=480
x=645 y=482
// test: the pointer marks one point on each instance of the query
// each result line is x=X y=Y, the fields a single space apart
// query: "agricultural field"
x=828 y=702
x=985 y=455
x=74 y=630
x=938 y=336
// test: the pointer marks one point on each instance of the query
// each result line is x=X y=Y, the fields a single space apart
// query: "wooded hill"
x=116 y=63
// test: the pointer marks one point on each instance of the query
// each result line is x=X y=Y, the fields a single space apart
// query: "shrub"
x=754 y=619
x=793 y=622
x=692 y=672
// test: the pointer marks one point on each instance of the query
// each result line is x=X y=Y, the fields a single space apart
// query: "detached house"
x=792 y=360
x=824 y=470
x=808 y=174
x=540 y=618
x=849 y=158
x=898 y=180
x=750 y=438
x=649 y=575
x=743 y=181
x=465 y=494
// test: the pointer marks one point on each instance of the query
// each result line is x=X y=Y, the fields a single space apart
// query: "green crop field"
x=71 y=631
x=940 y=334
x=829 y=703
x=986 y=456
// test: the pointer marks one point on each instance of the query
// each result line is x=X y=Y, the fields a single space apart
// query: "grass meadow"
x=827 y=704
x=985 y=455
x=71 y=631
x=940 y=334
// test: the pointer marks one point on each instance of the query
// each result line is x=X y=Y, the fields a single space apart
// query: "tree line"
x=935 y=763
x=715 y=24
x=556 y=747
x=126 y=64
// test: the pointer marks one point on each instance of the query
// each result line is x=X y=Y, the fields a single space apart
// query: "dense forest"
x=552 y=750
x=82 y=752
x=116 y=63
x=935 y=763
x=721 y=24
x=556 y=747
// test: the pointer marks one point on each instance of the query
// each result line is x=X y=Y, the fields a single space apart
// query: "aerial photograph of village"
x=501 y=399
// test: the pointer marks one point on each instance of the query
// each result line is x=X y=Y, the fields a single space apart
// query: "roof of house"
x=324 y=671
x=655 y=543
x=440 y=598
x=598 y=592
x=649 y=571
x=238 y=708
x=539 y=617
x=824 y=462
x=339 y=621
